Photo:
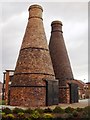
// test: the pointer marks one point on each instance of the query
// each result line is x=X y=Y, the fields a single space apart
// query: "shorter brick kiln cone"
x=59 y=55
x=60 y=60
x=34 y=71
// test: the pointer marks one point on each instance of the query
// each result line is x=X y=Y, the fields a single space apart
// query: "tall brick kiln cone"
x=60 y=59
x=34 y=69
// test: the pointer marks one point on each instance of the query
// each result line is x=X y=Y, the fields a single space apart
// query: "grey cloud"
x=68 y=11
x=11 y=9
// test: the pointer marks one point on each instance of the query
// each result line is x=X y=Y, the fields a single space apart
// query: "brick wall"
x=64 y=94
x=28 y=96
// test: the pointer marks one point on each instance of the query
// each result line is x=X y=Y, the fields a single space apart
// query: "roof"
x=78 y=82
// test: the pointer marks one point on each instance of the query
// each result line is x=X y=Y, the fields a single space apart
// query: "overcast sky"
x=74 y=17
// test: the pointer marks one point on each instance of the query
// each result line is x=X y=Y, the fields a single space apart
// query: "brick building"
x=88 y=90
x=7 y=79
x=0 y=90
x=82 y=88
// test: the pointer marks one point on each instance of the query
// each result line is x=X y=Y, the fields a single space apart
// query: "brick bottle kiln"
x=68 y=91
x=34 y=81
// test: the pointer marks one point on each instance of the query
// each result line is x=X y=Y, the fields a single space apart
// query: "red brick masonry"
x=33 y=65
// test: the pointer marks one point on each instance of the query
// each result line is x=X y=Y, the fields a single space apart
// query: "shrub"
x=0 y=111
x=6 y=110
x=70 y=116
x=21 y=114
x=47 y=116
x=58 y=109
x=29 y=110
x=79 y=109
x=3 y=116
x=39 y=110
x=75 y=113
x=84 y=115
x=18 y=110
x=35 y=115
x=27 y=119
x=3 y=113
x=87 y=110
x=47 y=110
x=69 y=110
x=10 y=117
